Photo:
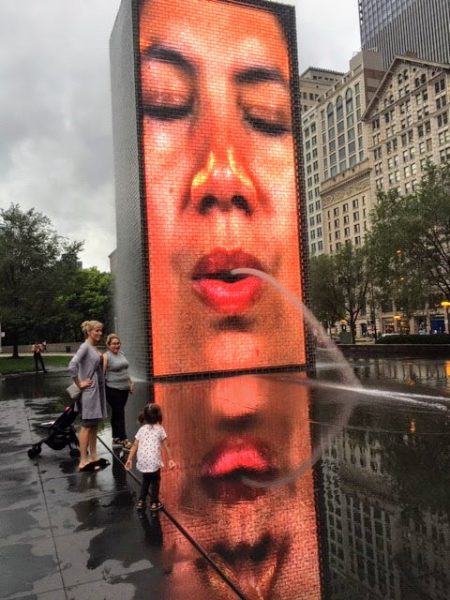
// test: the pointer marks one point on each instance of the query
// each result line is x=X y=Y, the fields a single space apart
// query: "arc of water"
x=349 y=378
x=434 y=402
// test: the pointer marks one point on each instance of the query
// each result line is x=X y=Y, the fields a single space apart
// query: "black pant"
x=117 y=400
x=38 y=359
x=152 y=481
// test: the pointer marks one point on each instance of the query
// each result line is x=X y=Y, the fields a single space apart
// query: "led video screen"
x=218 y=154
x=239 y=442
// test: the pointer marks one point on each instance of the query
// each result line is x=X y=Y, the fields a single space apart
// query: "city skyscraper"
x=396 y=27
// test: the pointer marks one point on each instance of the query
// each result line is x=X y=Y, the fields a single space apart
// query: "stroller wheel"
x=74 y=452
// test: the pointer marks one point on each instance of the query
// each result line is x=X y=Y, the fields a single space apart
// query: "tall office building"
x=396 y=27
x=337 y=184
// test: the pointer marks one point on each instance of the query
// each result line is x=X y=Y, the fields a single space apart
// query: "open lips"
x=223 y=467
x=220 y=290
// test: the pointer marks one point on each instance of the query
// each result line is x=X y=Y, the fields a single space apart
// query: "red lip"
x=222 y=470
x=221 y=291
x=238 y=454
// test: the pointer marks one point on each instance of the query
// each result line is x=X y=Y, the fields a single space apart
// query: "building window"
x=330 y=115
x=444 y=154
x=442 y=119
x=444 y=137
x=439 y=86
x=441 y=102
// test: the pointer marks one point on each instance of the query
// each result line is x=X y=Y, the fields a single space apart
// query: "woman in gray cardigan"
x=86 y=369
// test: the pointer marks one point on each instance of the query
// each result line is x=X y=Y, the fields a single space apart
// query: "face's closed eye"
x=170 y=91
x=266 y=108
x=167 y=91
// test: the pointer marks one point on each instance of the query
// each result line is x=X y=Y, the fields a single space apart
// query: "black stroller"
x=61 y=433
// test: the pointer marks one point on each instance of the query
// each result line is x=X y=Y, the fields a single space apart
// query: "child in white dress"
x=147 y=445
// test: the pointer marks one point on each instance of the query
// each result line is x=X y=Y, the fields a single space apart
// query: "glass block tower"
x=395 y=27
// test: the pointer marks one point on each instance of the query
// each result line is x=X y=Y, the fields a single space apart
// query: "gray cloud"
x=55 y=107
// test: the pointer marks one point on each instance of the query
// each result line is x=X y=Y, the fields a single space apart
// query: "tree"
x=88 y=296
x=353 y=274
x=410 y=240
x=339 y=285
x=34 y=264
x=327 y=300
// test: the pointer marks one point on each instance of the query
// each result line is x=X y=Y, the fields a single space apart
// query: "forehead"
x=205 y=28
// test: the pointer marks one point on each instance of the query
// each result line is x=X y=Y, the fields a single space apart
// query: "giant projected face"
x=263 y=538
x=220 y=186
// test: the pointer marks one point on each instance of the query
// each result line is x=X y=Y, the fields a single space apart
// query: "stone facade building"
x=335 y=155
x=407 y=124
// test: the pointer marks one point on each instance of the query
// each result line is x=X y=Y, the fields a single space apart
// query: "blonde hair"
x=111 y=337
x=87 y=326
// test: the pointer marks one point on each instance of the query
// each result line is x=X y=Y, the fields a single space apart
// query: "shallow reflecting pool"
x=247 y=513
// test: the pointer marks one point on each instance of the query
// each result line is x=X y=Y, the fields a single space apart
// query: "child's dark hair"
x=151 y=414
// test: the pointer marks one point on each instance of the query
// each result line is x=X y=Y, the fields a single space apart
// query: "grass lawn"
x=23 y=364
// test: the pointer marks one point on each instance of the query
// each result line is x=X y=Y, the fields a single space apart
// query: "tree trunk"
x=15 y=345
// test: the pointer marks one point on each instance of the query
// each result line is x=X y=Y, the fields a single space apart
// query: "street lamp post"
x=445 y=304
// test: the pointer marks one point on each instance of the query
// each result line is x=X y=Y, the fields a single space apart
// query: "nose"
x=222 y=183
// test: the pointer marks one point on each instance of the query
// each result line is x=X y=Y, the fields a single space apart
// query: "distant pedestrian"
x=117 y=385
x=147 y=445
x=36 y=349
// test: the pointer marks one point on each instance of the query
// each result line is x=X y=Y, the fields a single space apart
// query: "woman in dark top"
x=118 y=386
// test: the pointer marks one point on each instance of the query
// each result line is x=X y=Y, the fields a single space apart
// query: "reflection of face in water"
x=263 y=538
x=220 y=185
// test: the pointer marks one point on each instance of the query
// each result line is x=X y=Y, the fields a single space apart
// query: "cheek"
x=168 y=161
x=274 y=170
x=272 y=163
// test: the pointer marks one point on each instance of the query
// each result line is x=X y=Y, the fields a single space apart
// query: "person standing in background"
x=36 y=349
x=118 y=386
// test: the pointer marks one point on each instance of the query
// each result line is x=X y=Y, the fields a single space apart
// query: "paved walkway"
x=68 y=535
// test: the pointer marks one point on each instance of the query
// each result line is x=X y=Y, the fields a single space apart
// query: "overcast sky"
x=55 y=109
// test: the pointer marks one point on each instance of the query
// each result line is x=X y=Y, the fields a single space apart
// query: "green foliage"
x=34 y=262
x=326 y=296
x=409 y=242
x=339 y=285
x=45 y=294
x=88 y=296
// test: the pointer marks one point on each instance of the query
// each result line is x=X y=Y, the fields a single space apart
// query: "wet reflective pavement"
x=66 y=534
x=381 y=492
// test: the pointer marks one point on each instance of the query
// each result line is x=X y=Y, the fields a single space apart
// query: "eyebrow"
x=169 y=55
x=260 y=74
